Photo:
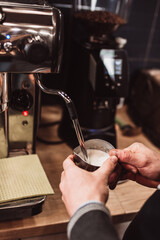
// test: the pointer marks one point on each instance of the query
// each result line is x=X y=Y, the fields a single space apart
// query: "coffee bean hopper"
x=30 y=43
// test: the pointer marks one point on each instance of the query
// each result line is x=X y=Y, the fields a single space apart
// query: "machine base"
x=21 y=208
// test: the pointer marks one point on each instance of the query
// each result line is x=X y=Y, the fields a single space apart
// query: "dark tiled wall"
x=143 y=35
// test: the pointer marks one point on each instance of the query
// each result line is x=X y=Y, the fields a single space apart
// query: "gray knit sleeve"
x=88 y=206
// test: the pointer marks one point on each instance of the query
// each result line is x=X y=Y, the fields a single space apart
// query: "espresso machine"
x=30 y=44
x=98 y=76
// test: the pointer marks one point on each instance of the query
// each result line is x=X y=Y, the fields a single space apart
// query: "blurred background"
x=139 y=37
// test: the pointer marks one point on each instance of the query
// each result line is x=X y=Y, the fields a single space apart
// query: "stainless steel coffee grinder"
x=30 y=44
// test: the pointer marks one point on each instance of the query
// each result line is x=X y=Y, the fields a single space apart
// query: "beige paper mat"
x=22 y=177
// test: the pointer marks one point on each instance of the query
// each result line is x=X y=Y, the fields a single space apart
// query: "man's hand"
x=139 y=163
x=79 y=186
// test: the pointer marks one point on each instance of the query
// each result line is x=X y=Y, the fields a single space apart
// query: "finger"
x=61 y=186
x=62 y=175
x=146 y=182
x=142 y=180
x=115 y=175
x=125 y=156
x=62 y=198
x=107 y=167
x=113 y=152
x=130 y=168
x=68 y=162
x=114 y=184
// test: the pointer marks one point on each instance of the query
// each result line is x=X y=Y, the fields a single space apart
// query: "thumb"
x=68 y=162
x=107 y=167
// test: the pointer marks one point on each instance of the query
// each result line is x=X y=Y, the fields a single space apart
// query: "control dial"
x=8 y=46
x=22 y=100
x=35 y=49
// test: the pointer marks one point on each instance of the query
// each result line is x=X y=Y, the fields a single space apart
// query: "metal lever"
x=3 y=92
x=4 y=114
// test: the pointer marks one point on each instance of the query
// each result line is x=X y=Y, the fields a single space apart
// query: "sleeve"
x=91 y=221
x=145 y=226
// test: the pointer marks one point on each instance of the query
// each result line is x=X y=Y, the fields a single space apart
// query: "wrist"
x=89 y=202
x=72 y=210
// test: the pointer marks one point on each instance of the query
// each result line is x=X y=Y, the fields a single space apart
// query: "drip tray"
x=21 y=208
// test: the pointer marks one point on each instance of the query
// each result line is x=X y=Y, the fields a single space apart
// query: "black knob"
x=35 y=50
x=8 y=46
x=22 y=100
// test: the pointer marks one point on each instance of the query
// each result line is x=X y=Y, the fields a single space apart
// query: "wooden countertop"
x=54 y=217
x=123 y=203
